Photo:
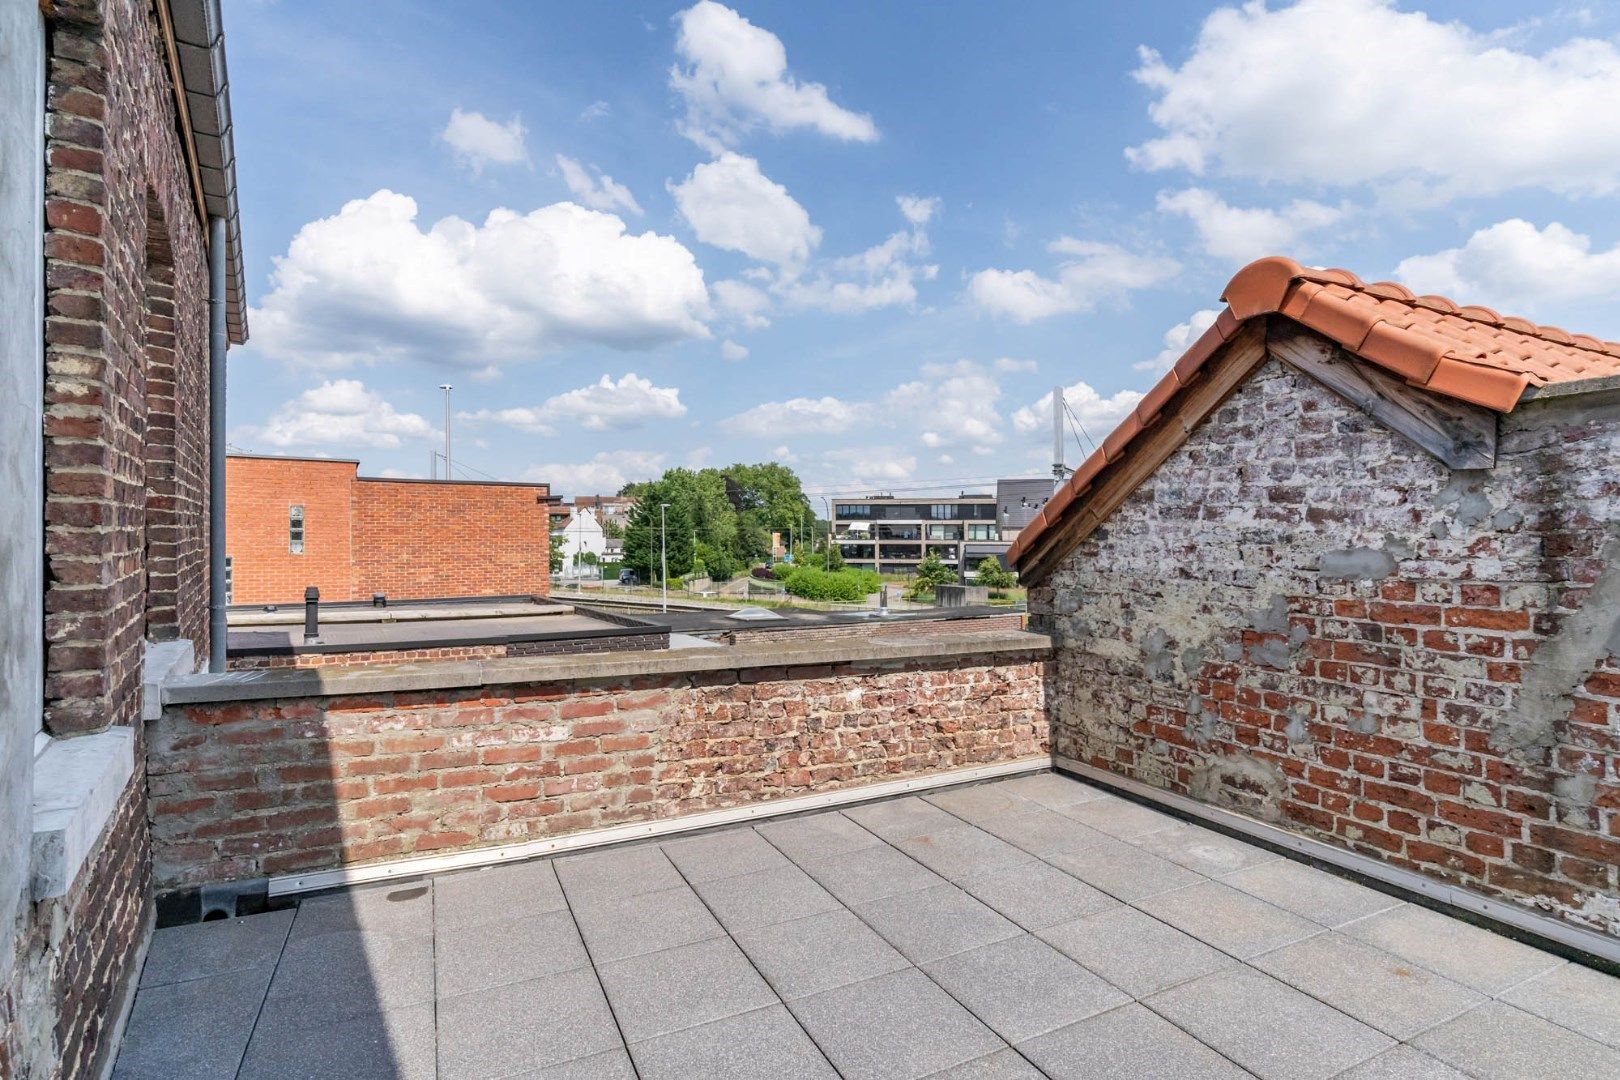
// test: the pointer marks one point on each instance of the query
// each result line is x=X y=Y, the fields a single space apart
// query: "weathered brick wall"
x=119 y=217
x=258 y=494
x=125 y=482
x=1303 y=617
x=562 y=647
x=418 y=540
x=75 y=957
x=254 y=788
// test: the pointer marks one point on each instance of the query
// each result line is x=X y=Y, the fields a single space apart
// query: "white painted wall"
x=22 y=126
x=582 y=534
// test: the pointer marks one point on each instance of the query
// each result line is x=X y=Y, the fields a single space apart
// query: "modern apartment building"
x=892 y=534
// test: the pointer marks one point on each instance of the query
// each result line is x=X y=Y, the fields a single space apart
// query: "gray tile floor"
x=1027 y=927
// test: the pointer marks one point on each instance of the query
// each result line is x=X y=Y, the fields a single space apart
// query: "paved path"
x=1028 y=927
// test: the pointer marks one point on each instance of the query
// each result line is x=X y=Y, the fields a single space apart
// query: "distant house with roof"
x=582 y=542
x=1351 y=571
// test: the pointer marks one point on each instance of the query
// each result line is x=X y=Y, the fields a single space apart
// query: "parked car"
x=629 y=577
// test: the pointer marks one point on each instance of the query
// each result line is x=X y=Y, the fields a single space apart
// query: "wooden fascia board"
x=1460 y=434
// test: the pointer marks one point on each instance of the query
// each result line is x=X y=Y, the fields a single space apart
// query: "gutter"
x=218 y=344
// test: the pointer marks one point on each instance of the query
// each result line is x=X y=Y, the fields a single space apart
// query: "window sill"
x=77 y=785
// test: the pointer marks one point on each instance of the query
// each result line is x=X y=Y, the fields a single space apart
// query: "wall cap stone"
x=451 y=675
x=77 y=784
x=161 y=662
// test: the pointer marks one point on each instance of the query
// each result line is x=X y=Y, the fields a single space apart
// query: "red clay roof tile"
x=1471 y=353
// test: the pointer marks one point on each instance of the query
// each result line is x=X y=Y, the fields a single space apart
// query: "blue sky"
x=863 y=239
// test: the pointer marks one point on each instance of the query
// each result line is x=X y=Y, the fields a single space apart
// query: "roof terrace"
x=1027 y=927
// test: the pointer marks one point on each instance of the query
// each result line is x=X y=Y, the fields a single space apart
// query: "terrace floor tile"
x=1066 y=932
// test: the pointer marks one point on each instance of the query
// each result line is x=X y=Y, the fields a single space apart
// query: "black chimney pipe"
x=312 y=615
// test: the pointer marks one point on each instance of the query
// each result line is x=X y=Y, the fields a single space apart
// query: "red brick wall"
x=415 y=540
x=409 y=539
x=1303 y=617
x=258 y=493
x=253 y=788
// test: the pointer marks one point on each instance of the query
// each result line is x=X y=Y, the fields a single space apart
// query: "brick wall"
x=125 y=487
x=421 y=540
x=408 y=539
x=243 y=789
x=122 y=232
x=75 y=957
x=1302 y=617
x=258 y=495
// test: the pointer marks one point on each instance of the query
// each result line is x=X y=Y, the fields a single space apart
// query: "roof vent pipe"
x=217 y=345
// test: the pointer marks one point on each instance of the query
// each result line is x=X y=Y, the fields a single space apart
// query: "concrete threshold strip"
x=1554 y=935
x=294 y=884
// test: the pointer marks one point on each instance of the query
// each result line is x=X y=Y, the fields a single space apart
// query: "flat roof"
x=358 y=627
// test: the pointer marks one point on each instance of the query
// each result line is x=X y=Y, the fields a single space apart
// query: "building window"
x=854 y=510
x=295 y=530
x=942 y=511
x=227 y=581
x=981 y=532
x=944 y=532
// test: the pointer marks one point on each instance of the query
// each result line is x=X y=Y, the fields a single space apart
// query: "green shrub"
x=850 y=586
x=782 y=570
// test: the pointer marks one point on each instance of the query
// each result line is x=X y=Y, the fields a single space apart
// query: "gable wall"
x=1303 y=617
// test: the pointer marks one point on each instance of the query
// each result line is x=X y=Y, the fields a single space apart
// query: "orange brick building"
x=295 y=522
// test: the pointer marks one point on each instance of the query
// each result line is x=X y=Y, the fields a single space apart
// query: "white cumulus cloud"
x=731 y=204
x=1356 y=91
x=478 y=141
x=857 y=467
x=1091 y=273
x=732 y=352
x=1241 y=234
x=947 y=404
x=370 y=284
x=742 y=303
x=599 y=192
x=602 y=474
x=1097 y=415
x=606 y=405
x=734 y=77
x=1517 y=268
x=1177 y=340
x=797 y=416
x=342 y=412
x=917 y=209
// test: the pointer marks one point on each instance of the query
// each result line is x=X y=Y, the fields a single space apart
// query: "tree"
x=992 y=574
x=932 y=573
x=559 y=541
x=731 y=512
x=642 y=536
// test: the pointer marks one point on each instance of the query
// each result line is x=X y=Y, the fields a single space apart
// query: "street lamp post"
x=663 y=552
x=446 y=387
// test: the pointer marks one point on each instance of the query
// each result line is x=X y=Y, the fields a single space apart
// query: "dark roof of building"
x=1465 y=352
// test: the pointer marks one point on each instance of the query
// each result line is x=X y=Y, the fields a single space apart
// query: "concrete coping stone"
x=460 y=674
x=292 y=614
